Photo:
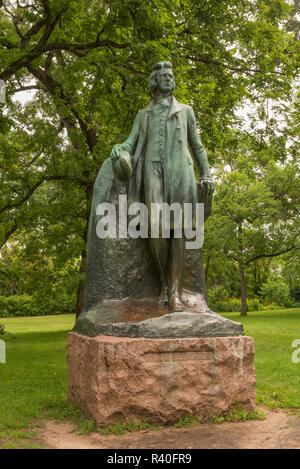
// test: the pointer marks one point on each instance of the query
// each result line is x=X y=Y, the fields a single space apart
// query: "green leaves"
x=90 y=61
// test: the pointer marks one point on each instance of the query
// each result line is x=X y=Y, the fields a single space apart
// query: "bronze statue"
x=163 y=171
x=125 y=274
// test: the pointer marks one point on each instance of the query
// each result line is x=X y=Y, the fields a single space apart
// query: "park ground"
x=34 y=412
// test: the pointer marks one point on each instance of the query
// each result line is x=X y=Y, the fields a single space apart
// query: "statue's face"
x=165 y=80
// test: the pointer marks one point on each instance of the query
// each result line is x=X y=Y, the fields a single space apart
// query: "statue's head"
x=161 y=79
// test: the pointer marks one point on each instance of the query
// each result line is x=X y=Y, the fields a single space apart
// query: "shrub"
x=234 y=305
x=25 y=305
x=217 y=293
x=295 y=293
x=15 y=305
x=3 y=331
x=276 y=291
x=231 y=305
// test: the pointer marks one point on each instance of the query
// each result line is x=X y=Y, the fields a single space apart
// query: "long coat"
x=180 y=134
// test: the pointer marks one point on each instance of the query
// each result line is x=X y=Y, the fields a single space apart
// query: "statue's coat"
x=181 y=134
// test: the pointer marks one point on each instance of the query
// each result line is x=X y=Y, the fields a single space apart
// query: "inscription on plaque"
x=178 y=357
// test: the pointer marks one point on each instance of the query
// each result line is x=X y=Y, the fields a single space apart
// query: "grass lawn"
x=277 y=377
x=34 y=376
x=33 y=382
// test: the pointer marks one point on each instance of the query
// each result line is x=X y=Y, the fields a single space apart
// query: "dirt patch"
x=278 y=430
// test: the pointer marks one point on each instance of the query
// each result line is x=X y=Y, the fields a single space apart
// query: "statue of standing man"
x=163 y=171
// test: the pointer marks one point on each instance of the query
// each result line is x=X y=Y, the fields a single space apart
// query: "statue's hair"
x=152 y=80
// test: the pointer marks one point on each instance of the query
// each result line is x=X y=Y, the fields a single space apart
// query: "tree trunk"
x=207 y=268
x=243 y=289
x=80 y=289
x=82 y=269
x=12 y=287
x=242 y=272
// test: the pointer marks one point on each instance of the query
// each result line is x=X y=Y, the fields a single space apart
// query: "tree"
x=88 y=62
x=256 y=210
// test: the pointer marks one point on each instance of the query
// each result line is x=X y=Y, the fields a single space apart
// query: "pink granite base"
x=161 y=380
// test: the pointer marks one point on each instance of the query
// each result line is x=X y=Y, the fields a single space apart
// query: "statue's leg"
x=177 y=270
x=160 y=251
x=160 y=247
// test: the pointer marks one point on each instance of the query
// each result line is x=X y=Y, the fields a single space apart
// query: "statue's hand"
x=208 y=185
x=116 y=151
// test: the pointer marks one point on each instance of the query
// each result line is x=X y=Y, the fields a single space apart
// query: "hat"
x=122 y=166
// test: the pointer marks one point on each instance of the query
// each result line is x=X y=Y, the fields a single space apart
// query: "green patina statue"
x=162 y=170
x=125 y=273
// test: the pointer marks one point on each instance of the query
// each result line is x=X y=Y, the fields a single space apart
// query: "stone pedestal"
x=116 y=379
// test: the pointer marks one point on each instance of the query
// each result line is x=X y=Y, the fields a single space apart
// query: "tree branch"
x=42 y=47
x=80 y=47
x=32 y=189
x=27 y=88
x=230 y=67
x=8 y=234
x=37 y=50
x=53 y=86
x=275 y=254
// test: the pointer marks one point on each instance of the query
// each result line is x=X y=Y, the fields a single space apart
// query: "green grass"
x=278 y=378
x=188 y=421
x=34 y=376
x=65 y=411
x=238 y=414
x=33 y=382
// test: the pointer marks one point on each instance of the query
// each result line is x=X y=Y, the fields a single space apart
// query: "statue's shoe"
x=163 y=298
x=175 y=303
